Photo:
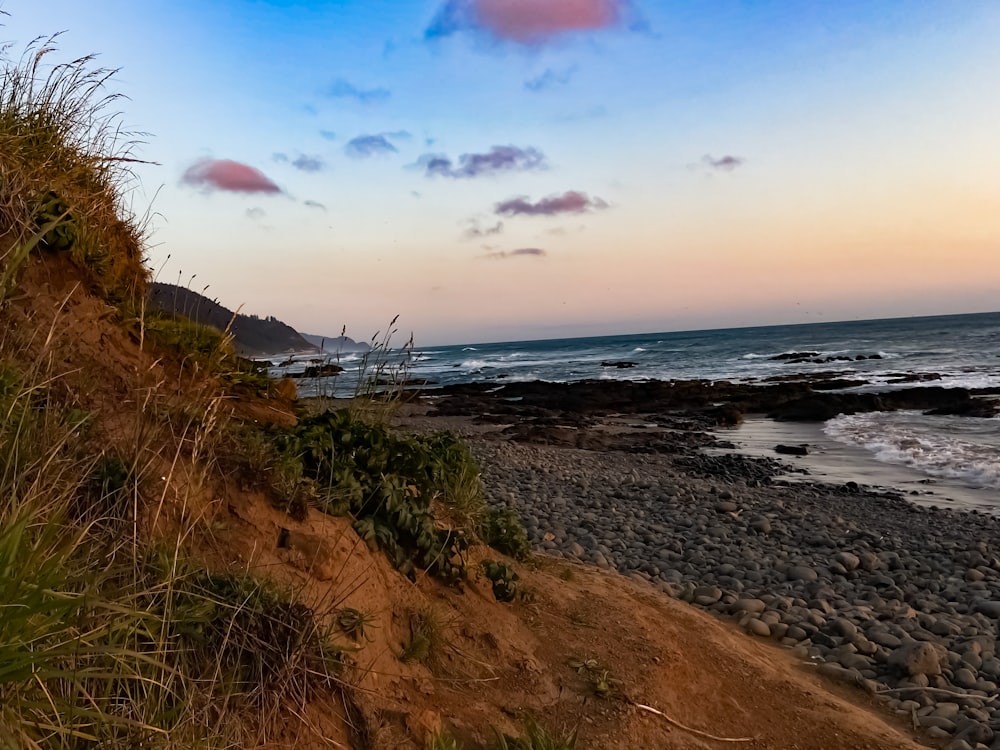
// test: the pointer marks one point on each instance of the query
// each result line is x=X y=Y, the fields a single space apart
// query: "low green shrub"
x=502 y=530
x=536 y=737
x=502 y=578
x=387 y=482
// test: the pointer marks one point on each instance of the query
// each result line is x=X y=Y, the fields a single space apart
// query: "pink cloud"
x=231 y=176
x=526 y=20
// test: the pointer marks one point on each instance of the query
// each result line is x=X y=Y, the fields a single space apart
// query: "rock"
x=930 y=720
x=801 y=573
x=849 y=561
x=919 y=658
x=758 y=627
x=761 y=525
x=726 y=506
x=792 y=450
x=989 y=608
x=753 y=606
x=844 y=627
x=707 y=595
x=841 y=674
x=964 y=678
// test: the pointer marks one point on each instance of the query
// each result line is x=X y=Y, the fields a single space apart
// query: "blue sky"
x=510 y=169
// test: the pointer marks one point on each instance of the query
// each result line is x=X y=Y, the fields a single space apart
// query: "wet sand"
x=833 y=462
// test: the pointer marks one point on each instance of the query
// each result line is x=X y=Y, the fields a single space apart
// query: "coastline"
x=834 y=462
x=897 y=597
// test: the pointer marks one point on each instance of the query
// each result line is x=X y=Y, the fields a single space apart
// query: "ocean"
x=953 y=350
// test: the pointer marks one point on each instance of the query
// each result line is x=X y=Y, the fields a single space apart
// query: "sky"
x=494 y=170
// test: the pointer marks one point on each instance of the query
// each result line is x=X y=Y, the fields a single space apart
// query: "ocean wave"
x=638 y=349
x=937 y=446
x=470 y=349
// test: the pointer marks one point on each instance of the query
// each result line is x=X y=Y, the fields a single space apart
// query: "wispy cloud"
x=307 y=163
x=229 y=176
x=255 y=213
x=550 y=79
x=328 y=135
x=570 y=202
x=497 y=159
x=725 y=163
x=314 y=204
x=526 y=21
x=367 y=146
x=475 y=231
x=536 y=252
x=341 y=89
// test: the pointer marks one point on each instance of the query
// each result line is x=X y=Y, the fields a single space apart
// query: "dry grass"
x=65 y=168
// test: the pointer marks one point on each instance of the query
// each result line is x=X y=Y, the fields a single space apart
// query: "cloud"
x=306 y=163
x=366 y=146
x=497 y=159
x=529 y=251
x=255 y=213
x=328 y=135
x=550 y=79
x=475 y=231
x=314 y=204
x=341 y=89
x=724 y=163
x=230 y=176
x=570 y=202
x=279 y=157
x=526 y=21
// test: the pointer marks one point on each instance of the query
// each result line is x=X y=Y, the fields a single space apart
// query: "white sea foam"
x=961 y=449
x=470 y=349
x=638 y=349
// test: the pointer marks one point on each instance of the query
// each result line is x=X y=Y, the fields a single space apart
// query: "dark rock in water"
x=317 y=371
x=790 y=356
x=792 y=450
x=619 y=365
x=322 y=371
x=836 y=384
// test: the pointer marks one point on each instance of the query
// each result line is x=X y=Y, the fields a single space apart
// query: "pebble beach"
x=899 y=599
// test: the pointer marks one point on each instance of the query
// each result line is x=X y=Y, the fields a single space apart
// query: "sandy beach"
x=890 y=592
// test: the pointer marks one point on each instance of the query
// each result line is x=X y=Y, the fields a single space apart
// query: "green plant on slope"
x=66 y=164
x=502 y=578
x=388 y=483
x=442 y=741
x=428 y=638
x=502 y=530
x=353 y=623
x=536 y=737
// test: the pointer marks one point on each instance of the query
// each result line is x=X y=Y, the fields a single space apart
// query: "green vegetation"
x=112 y=633
x=108 y=639
x=388 y=483
x=502 y=530
x=536 y=737
x=428 y=638
x=353 y=623
x=502 y=578
x=65 y=162
x=596 y=675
